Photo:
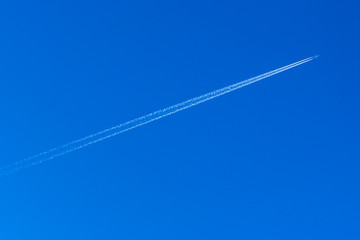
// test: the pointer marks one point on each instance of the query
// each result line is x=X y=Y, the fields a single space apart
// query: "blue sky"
x=276 y=160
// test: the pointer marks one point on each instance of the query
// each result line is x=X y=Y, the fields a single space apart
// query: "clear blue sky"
x=276 y=160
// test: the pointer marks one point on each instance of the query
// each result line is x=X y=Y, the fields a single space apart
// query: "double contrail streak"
x=110 y=132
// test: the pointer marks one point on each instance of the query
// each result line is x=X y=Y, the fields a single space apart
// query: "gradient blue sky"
x=276 y=160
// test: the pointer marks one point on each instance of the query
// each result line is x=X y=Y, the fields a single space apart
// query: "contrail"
x=110 y=132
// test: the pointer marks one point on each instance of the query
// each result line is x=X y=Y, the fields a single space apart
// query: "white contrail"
x=110 y=132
